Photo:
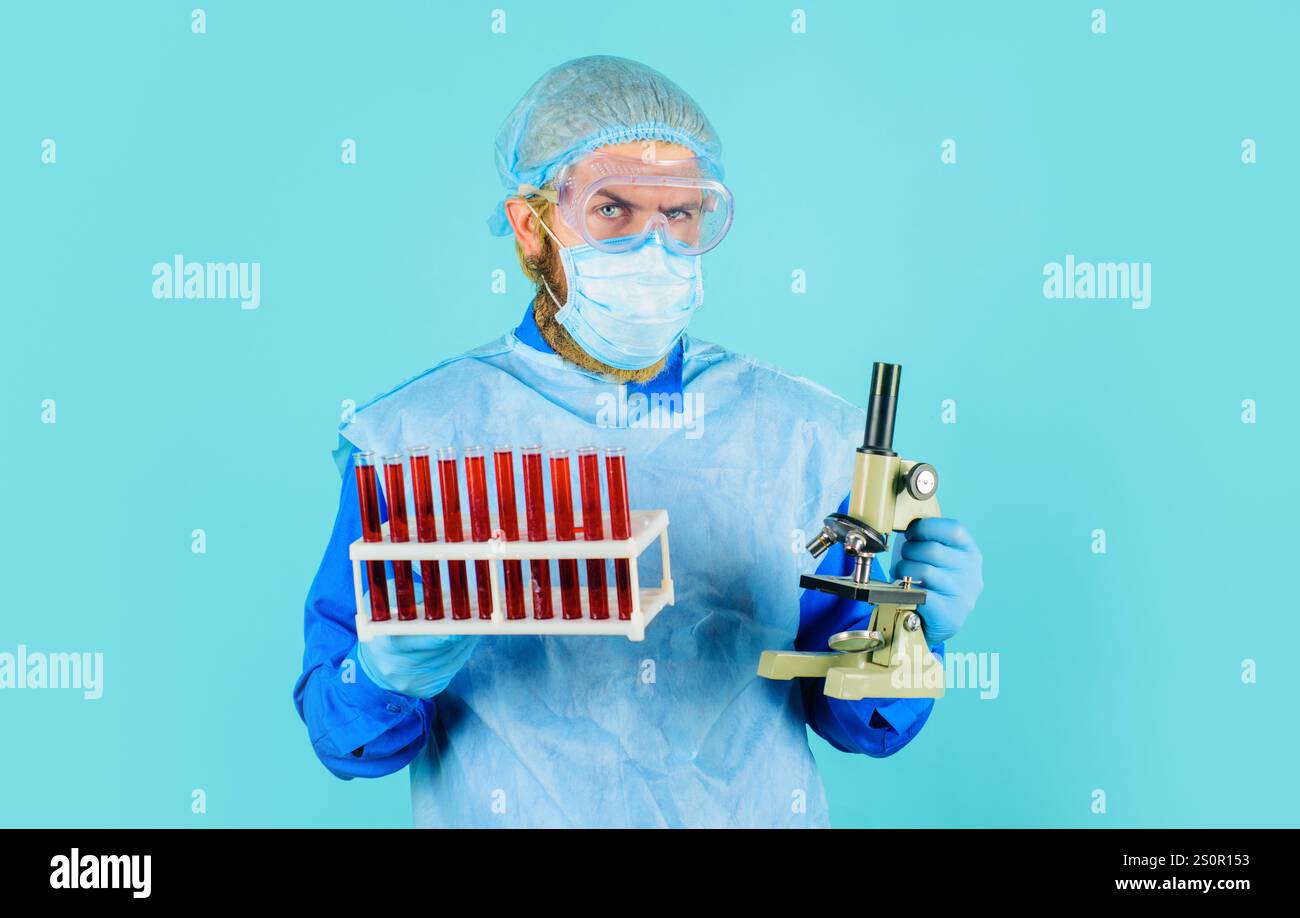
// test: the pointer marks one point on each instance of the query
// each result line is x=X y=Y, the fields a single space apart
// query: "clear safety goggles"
x=615 y=202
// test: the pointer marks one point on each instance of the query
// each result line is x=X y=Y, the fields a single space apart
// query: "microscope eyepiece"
x=882 y=406
x=885 y=378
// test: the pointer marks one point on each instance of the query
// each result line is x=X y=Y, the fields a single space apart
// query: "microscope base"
x=903 y=667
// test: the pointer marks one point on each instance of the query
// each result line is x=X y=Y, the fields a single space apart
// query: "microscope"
x=890 y=658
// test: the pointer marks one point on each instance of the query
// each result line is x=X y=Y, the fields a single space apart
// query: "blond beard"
x=558 y=337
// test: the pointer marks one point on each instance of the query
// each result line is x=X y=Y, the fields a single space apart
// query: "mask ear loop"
x=549 y=291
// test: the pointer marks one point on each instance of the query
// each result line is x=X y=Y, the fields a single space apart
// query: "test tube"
x=620 y=524
x=449 y=482
x=399 y=531
x=593 y=529
x=535 y=502
x=562 y=502
x=480 y=524
x=503 y=464
x=372 y=531
x=426 y=530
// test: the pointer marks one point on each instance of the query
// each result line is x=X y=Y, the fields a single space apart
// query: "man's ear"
x=527 y=227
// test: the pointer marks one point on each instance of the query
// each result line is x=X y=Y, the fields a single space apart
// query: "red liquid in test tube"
x=562 y=501
x=399 y=531
x=620 y=524
x=535 y=502
x=449 y=482
x=593 y=529
x=503 y=464
x=372 y=531
x=426 y=530
x=480 y=524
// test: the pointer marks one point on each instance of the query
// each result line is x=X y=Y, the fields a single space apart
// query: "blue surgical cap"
x=589 y=103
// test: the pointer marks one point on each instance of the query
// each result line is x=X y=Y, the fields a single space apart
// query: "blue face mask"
x=628 y=309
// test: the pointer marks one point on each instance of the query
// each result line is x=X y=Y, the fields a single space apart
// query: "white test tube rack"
x=647 y=525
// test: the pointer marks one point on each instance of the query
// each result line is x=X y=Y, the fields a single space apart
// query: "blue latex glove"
x=418 y=665
x=942 y=555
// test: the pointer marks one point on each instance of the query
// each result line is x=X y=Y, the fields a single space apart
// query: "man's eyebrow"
x=615 y=198
x=690 y=203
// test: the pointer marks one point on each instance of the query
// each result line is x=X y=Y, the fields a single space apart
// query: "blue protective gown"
x=673 y=731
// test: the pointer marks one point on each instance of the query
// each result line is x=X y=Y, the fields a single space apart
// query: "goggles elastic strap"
x=528 y=191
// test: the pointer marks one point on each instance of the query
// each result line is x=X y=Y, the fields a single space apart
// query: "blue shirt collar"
x=668 y=382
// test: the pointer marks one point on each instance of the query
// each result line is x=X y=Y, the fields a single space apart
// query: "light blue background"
x=1118 y=671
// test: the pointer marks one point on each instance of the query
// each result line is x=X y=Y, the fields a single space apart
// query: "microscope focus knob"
x=922 y=481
